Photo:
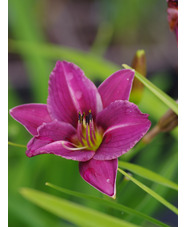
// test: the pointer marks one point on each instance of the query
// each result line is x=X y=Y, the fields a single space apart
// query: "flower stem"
x=16 y=145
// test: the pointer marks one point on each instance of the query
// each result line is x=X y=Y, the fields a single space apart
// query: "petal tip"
x=28 y=153
x=101 y=175
x=12 y=112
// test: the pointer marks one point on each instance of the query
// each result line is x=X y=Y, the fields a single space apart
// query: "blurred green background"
x=99 y=36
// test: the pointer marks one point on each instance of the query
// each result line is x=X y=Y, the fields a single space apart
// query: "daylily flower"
x=86 y=124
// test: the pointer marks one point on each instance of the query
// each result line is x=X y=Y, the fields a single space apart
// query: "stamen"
x=91 y=137
x=84 y=120
x=93 y=129
x=80 y=133
x=87 y=135
x=75 y=148
x=90 y=115
x=92 y=132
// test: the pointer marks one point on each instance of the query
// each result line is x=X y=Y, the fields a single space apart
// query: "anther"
x=90 y=115
x=79 y=117
x=87 y=119
x=82 y=117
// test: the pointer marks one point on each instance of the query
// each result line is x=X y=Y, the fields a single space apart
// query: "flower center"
x=89 y=135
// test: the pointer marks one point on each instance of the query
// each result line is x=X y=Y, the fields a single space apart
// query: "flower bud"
x=166 y=123
x=139 y=64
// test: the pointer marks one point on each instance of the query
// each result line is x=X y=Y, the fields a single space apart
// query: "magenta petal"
x=120 y=140
x=35 y=144
x=31 y=116
x=56 y=130
x=121 y=112
x=70 y=92
x=57 y=148
x=48 y=133
x=100 y=174
x=116 y=87
x=124 y=126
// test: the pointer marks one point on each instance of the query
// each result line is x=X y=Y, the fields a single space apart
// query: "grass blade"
x=156 y=91
x=72 y=212
x=148 y=174
x=24 y=26
x=150 y=206
x=150 y=192
x=108 y=203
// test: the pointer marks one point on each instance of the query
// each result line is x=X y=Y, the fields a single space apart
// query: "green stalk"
x=148 y=174
x=16 y=145
x=150 y=192
x=155 y=90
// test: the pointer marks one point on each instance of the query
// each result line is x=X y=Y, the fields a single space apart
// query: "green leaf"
x=158 y=92
x=95 y=67
x=148 y=204
x=108 y=203
x=148 y=174
x=150 y=192
x=72 y=212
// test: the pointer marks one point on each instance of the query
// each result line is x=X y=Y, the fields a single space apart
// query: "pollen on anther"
x=90 y=116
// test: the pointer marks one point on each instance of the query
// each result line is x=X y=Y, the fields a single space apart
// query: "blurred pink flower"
x=173 y=16
x=86 y=124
